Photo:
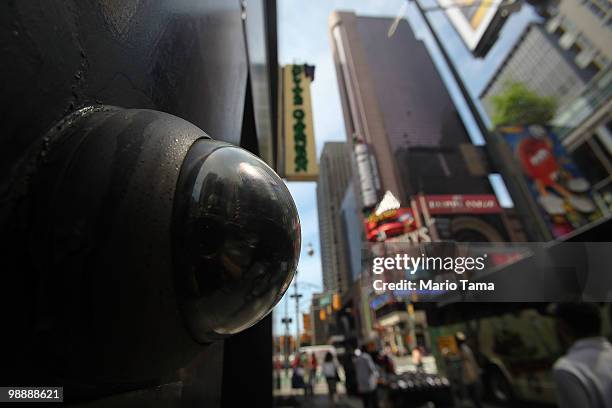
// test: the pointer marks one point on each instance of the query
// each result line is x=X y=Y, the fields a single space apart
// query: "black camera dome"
x=236 y=239
x=155 y=239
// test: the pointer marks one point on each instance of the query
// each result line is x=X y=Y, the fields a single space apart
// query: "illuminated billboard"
x=462 y=204
x=389 y=224
x=562 y=193
x=477 y=22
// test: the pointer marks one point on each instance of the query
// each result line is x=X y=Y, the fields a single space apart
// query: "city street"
x=341 y=203
x=288 y=397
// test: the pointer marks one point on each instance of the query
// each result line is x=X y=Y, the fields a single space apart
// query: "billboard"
x=369 y=182
x=561 y=192
x=297 y=153
x=389 y=224
x=477 y=22
x=381 y=300
x=462 y=204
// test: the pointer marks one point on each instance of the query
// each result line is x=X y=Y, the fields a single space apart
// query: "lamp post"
x=286 y=321
x=451 y=66
x=296 y=295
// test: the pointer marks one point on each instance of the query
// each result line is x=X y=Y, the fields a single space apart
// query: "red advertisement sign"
x=462 y=204
x=389 y=224
x=563 y=194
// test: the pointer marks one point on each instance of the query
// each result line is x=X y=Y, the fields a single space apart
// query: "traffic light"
x=336 y=302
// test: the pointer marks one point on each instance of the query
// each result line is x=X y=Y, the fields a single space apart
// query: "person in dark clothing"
x=470 y=371
x=350 y=379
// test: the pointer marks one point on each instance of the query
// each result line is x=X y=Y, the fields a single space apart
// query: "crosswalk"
x=319 y=387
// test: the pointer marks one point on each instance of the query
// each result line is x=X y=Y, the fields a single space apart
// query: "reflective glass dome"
x=236 y=239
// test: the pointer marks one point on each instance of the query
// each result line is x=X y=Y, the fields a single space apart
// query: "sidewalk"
x=317 y=401
x=288 y=397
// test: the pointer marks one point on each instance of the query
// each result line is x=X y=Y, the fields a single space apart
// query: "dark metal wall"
x=185 y=57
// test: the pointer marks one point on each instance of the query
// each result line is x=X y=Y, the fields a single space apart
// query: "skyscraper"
x=539 y=62
x=334 y=177
x=397 y=106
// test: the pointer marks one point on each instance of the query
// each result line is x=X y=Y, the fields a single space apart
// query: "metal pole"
x=451 y=66
x=297 y=317
x=286 y=321
x=286 y=339
x=297 y=297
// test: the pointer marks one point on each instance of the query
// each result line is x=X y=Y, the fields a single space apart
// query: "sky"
x=303 y=38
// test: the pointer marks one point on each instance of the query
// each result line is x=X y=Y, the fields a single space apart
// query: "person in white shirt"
x=583 y=376
x=330 y=371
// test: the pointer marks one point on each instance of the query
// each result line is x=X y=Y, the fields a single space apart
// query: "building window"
x=597 y=7
x=559 y=31
x=345 y=79
x=575 y=48
x=593 y=69
x=590 y=163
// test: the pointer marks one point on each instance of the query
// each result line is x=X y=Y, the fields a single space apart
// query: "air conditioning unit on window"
x=567 y=40
x=554 y=23
x=584 y=58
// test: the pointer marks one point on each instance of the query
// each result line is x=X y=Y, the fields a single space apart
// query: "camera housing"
x=151 y=240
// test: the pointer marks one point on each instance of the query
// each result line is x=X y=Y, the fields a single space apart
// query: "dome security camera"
x=149 y=239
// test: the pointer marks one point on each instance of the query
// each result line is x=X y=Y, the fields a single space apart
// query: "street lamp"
x=296 y=295
x=309 y=249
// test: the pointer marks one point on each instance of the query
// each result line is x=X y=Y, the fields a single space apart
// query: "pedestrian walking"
x=309 y=373
x=277 y=371
x=452 y=364
x=348 y=365
x=417 y=359
x=330 y=371
x=385 y=362
x=297 y=378
x=470 y=371
x=314 y=365
x=367 y=378
x=583 y=376
x=386 y=371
